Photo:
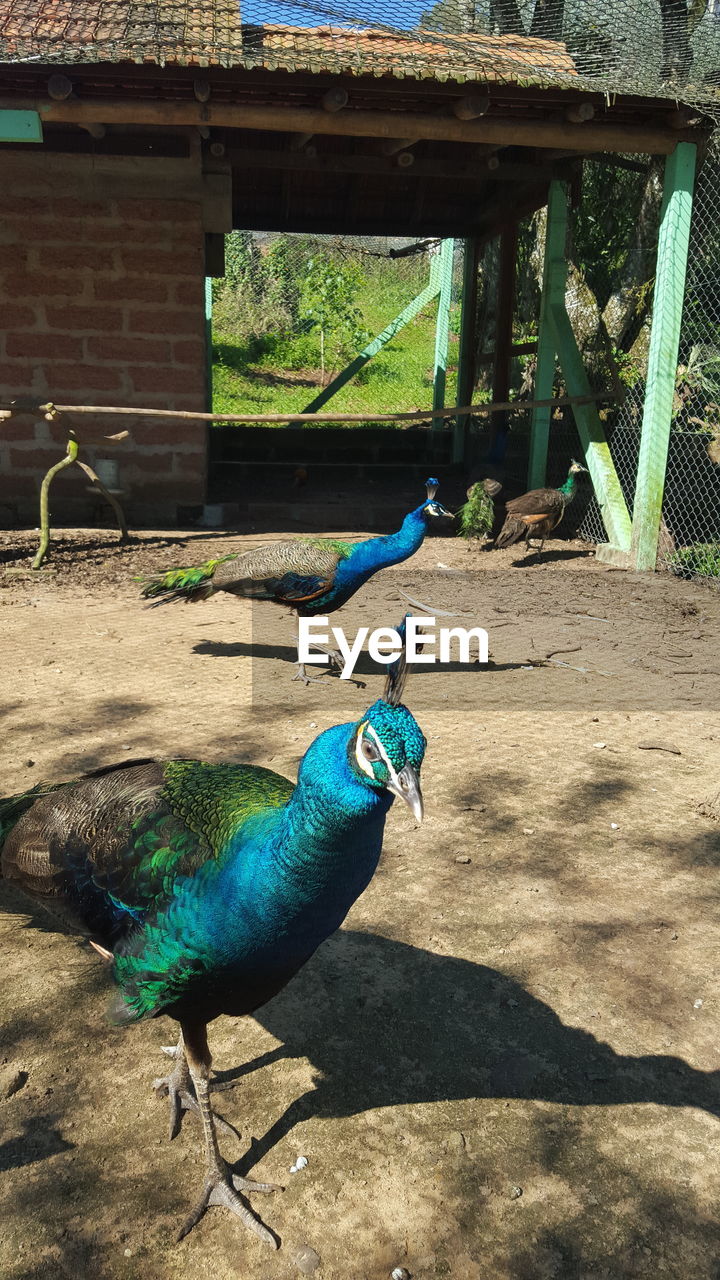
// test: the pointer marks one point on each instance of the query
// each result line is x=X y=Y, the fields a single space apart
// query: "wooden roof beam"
x=592 y=137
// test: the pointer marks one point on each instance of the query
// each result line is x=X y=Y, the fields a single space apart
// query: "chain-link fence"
x=345 y=324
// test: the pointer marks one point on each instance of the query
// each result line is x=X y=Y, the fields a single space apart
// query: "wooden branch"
x=414 y=415
x=109 y=497
x=594 y=136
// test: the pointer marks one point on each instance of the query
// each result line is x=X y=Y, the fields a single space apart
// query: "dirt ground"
x=506 y=1066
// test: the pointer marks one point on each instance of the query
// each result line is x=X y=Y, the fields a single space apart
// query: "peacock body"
x=310 y=575
x=209 y=885
x=537 y=513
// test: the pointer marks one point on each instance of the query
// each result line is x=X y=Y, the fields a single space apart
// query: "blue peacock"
x=311 y=576
x=208 y=886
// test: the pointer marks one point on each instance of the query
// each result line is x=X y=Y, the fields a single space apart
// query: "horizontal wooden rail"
x=590 y=136
x=51 y=410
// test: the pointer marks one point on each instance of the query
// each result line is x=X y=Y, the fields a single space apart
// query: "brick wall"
x=102 y=302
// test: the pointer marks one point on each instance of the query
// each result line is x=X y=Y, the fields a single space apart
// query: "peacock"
x=537 y=513
x=206 y=887
x=477 y=515
x=311 y=576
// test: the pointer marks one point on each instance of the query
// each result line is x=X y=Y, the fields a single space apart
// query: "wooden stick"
x=185 y=415
x=638 y=139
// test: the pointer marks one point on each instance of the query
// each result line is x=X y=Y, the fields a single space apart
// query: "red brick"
x=44 y=346
x=83 y=377
x=129 y=350
x=71 y=207
x=159 y=210
x=24 y=206
x=13 y=255
x=168 y=379
x=77 y=259
x=166 y=321
x=158 y=262
x=18 y=375
x=160 y=431
x=191 y=295
x=41 y=285
x=14 y=317
x=103 y=319
x=124 y=290
x=190 y=351
x=36 y=459
x=152 y=463
x=19 y=430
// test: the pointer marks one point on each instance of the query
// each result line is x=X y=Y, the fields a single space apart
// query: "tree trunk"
x=547 y=22
x=505 y=18
x=677 y=52
x=627 y=309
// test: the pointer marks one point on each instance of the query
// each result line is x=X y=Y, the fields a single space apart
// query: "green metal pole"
x=442 y=330
x=553 y=292
x=410 y=311
x=467 y=353
x=668 y=301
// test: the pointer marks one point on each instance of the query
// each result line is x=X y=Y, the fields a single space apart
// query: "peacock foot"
x=178 y=1087
x=221 y=1188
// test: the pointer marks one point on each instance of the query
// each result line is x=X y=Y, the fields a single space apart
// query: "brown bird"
x=536 y=514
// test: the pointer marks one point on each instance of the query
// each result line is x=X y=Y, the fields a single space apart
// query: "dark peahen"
x=536 y=514
x=208 y=886
x=311 y=576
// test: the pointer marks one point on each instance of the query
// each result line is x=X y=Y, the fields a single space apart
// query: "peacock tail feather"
x=188 y=584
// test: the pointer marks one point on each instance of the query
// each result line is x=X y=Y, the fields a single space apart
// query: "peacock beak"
x=408 y=789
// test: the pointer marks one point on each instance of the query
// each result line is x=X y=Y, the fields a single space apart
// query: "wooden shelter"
x=134 y=136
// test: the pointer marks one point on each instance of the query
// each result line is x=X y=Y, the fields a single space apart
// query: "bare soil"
x=506 y=1068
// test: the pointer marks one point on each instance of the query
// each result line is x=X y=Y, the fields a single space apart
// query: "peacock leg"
x=178 y=1088
x=336 y=661
x=221 y=1186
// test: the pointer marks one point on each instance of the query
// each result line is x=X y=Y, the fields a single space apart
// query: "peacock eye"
x=369 y=751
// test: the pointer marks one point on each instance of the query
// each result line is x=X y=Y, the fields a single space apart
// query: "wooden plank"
x=20 y=126
x=591 y=137
x=503 y=333
x=553 y=293
x=668 y=301
x=262 y=158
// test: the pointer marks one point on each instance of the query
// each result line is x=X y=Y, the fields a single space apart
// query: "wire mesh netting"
x=668 y=48
x=344 y=324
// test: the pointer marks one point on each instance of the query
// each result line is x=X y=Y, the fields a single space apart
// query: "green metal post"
x=668 y=300
x=553 y=292
x=468 y=342
x=410 y=311
x=442 y=330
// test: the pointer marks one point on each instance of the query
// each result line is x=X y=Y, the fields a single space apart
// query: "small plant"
x=702 y=559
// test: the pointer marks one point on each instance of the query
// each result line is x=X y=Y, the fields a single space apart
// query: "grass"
x=281 y=373
x=700 y=560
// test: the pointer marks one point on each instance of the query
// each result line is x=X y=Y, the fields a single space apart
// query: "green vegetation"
x=290 y=315
x=702 y=558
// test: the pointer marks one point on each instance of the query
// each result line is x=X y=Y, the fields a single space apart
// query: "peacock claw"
x=179 y=1089
x=221 y=1187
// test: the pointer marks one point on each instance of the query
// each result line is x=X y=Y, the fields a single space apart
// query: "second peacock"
x=311 y=576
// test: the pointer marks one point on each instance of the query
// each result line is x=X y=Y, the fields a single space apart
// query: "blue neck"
x=378 y=553
x=309 y=861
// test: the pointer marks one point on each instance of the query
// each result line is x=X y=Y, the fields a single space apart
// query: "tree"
x=328 y=301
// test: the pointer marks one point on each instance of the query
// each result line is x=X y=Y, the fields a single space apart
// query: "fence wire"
x=294 y=311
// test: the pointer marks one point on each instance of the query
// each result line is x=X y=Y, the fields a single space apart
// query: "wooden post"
x=208 y=345
x=442 y=329
x=668 y=300
x=467 y=354
x=553 y=291
x=503 y=338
